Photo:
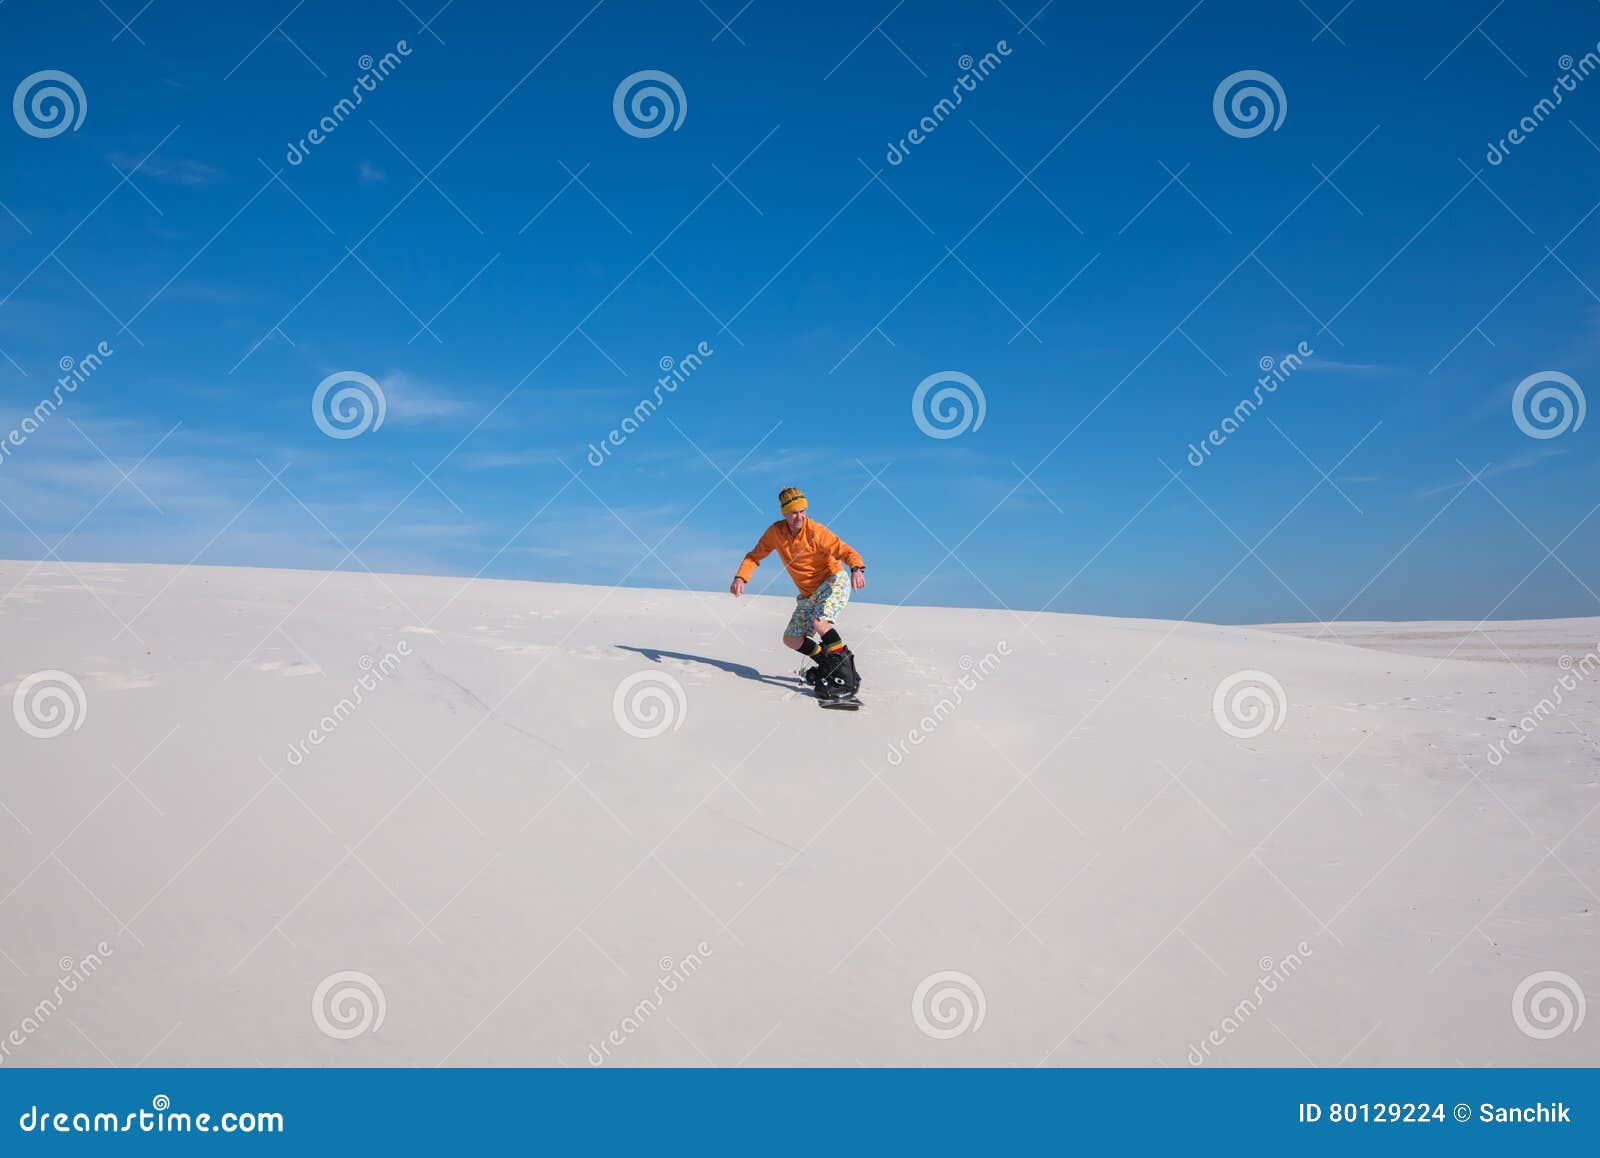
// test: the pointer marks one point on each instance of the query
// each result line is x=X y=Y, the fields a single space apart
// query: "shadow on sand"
x=742 y=670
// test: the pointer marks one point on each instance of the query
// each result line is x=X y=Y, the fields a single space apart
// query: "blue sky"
x=1080 y=236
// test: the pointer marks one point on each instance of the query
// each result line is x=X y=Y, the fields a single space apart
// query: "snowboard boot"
x=836 y=674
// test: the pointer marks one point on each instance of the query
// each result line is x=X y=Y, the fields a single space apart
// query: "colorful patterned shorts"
x=826 y=602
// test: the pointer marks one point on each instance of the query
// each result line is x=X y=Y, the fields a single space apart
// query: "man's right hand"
x=737 y=586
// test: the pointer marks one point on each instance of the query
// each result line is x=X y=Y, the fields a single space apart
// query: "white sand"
x=485 y=842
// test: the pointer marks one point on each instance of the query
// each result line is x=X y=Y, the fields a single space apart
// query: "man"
x=816 y=559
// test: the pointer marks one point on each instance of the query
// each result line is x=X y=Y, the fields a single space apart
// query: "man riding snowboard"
x=816 y=559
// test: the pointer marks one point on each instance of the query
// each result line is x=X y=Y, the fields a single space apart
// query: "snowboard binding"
x=835 y=679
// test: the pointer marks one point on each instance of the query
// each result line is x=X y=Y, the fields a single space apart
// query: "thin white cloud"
x=410 y=400
x=173 y=170
x=1524 y=461
x=1334 y=366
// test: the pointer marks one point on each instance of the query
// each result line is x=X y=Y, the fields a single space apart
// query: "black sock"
x=809 y=647
x=831 y=641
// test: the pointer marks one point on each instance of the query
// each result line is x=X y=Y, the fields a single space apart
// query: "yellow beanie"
x=791 y=499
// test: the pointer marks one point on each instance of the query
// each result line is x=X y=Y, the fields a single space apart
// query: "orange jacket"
x=810 y=557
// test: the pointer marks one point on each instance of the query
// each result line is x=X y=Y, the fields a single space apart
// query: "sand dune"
x=301 y=819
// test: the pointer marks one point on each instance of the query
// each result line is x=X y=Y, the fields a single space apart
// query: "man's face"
x=796 y=520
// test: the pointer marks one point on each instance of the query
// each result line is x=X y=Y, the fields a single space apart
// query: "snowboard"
x=846 y=703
